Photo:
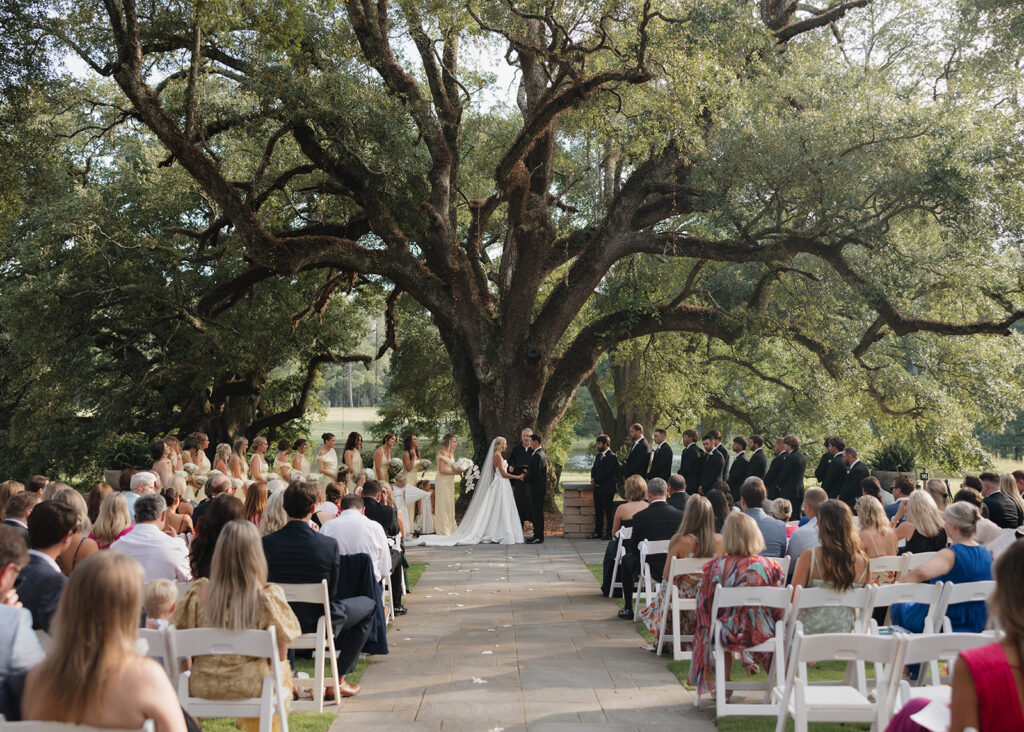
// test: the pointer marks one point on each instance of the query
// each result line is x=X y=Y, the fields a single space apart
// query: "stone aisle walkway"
x=516 y=638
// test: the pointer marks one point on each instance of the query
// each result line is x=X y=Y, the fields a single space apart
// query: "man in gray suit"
x=19 y=647
x=752 y=495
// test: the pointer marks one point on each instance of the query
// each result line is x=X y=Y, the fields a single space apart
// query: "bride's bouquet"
x=470 y=473
x=395 y=468
x=423 y=465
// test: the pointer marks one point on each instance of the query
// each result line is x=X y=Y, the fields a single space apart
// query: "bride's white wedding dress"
x=491 y=518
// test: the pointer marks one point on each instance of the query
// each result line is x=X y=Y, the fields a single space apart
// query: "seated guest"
x=96 y=495
x=636 y=495
x=870 y=486
x=658 y=522
x=902 y=487
x=142 y=483
x=964 y=560
x=159 y=598
x=922 y=530
x=876 y=535
x=178 y=524
x=81 y=545
x=782 y=509
x=387 y=517
x=237 y=597
x=330 y=506
x=1002 y=510
x=720 y=506
x=19 y=506
x=987 y=531
x=161 y=556
x=36 y=484
x=255 y=502
x=220 y=511
x=1008 y=487
x=773 y=531
x=113 y=522
x=274 y=518
x=839 y=563
x=93 y=674
x=742 y=565
x=938 y=489
x=19 y=646
x=987 y=680
x=218 y=485
x=50 y=529
x=356 y=534
x=298 y=555
x=7 y=489
x=695 y=538
x=806 y=536
x=677 y=494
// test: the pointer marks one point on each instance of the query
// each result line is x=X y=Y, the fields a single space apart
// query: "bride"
x=492 y=517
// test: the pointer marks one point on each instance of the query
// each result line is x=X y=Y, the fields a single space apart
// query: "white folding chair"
x=784 y=564
x=219 y=641
x=927 y=649
x=647 y=587
x=389 y=599
x=888 y=595
x=157 y=647
x=677 y=604
x=35 y=726
x=808 y=702
x=321 y=641
x=738 y=597
x=883 y=565
x=857 y=600
x=620 y=551
x=916 y=560
x=953 y=593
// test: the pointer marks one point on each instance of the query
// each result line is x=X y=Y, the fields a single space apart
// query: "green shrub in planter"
x=895 y=456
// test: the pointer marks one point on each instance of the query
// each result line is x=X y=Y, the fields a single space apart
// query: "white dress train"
x=491 y=518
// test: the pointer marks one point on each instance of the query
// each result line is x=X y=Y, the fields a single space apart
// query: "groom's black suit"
x=520 y=456
x=536 y=484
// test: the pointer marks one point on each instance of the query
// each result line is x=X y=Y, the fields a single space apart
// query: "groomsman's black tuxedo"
x=691 y=462
x=536 y=483
x=738 y=474
x=603 y=474
x=520 y=456
x=757 y=465
x=834 y=474
x=725 y=460
x=851 y=486
x=791 y=479
x=712 y=470
x=661 y=462
x=638 y=460
x=771 y=478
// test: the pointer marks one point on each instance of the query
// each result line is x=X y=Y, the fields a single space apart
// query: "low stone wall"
x=577 y=510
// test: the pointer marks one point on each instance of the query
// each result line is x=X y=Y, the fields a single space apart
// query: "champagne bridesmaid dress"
x=444 y=498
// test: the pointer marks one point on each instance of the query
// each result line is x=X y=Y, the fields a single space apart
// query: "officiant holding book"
x=518 y=461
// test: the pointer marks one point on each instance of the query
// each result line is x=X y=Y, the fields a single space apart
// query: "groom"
x=536 y=484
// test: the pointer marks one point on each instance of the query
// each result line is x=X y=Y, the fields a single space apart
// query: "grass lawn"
x=342 y=420
x=312 y=721
x=830 y=671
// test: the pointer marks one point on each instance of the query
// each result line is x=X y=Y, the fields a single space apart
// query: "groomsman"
x=791 y=477
x=691 y=462
x=739 y=469
x=771 y=478
x=716 y=440
x=858 y=472
x=517 y=461
x=602 y=477
x=661 y=458
x=536 y=485
x=713 y=465
x=757 y=465
x=639 y=455
x=831 y=470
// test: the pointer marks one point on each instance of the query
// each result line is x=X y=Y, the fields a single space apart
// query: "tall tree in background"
x=804 y=182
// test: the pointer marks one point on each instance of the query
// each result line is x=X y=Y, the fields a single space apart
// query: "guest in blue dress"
x=964 y=560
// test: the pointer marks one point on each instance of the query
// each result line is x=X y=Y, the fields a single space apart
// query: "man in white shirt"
x=357 y=534
x=806 y=536
x=143 y=482
x=161 y=556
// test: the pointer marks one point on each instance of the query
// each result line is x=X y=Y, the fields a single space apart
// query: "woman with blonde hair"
x=222 y=459
x=81 y=545
x=92 y=674
x=938 y=491
x=113 y=522
x=444 y=488
x=741 y=566
x=274 y=516
x=258 y=464
x=839 y=563
x=237 y=463
x=1008 y=487
x=237 y=597
x=7 y=489
x=922 y=530
x=695 y=538
x=876 y=533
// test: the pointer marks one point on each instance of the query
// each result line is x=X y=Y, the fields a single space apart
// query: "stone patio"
x=516 y=638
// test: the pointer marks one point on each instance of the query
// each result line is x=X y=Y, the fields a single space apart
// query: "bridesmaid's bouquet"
x=192 y=469
x=423 y=465
x=395 y=468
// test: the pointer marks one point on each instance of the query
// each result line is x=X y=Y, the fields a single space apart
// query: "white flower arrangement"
x=463 y=464
x=192 y=469
x=201 y=480
x=423 y=465
x=370 y=475
x=237 y=483
x=214 y=472
x=470 y=473
x=395 y=468
x=273 y=476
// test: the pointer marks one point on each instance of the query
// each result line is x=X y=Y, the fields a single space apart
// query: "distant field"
x=342 y=420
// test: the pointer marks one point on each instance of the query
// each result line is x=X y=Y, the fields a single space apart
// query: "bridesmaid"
x=237 y=463
x=382 y=457
x=161 y=454
x=281 y=465
x=444 y=488
x=196 y=454
x=410 y=454
x=353 y=460
x=223 y=458
x=174 y=445
x=258 y=464
x=327 y=460
x=300 y=462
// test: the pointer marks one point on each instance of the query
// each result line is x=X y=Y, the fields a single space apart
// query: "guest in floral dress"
x=237 y=597
x=742 y=566
x=696 y=538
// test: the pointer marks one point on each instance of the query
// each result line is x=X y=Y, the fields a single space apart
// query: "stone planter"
x=886 y=477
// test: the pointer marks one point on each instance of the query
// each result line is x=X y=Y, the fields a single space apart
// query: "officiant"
x=517 y=462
